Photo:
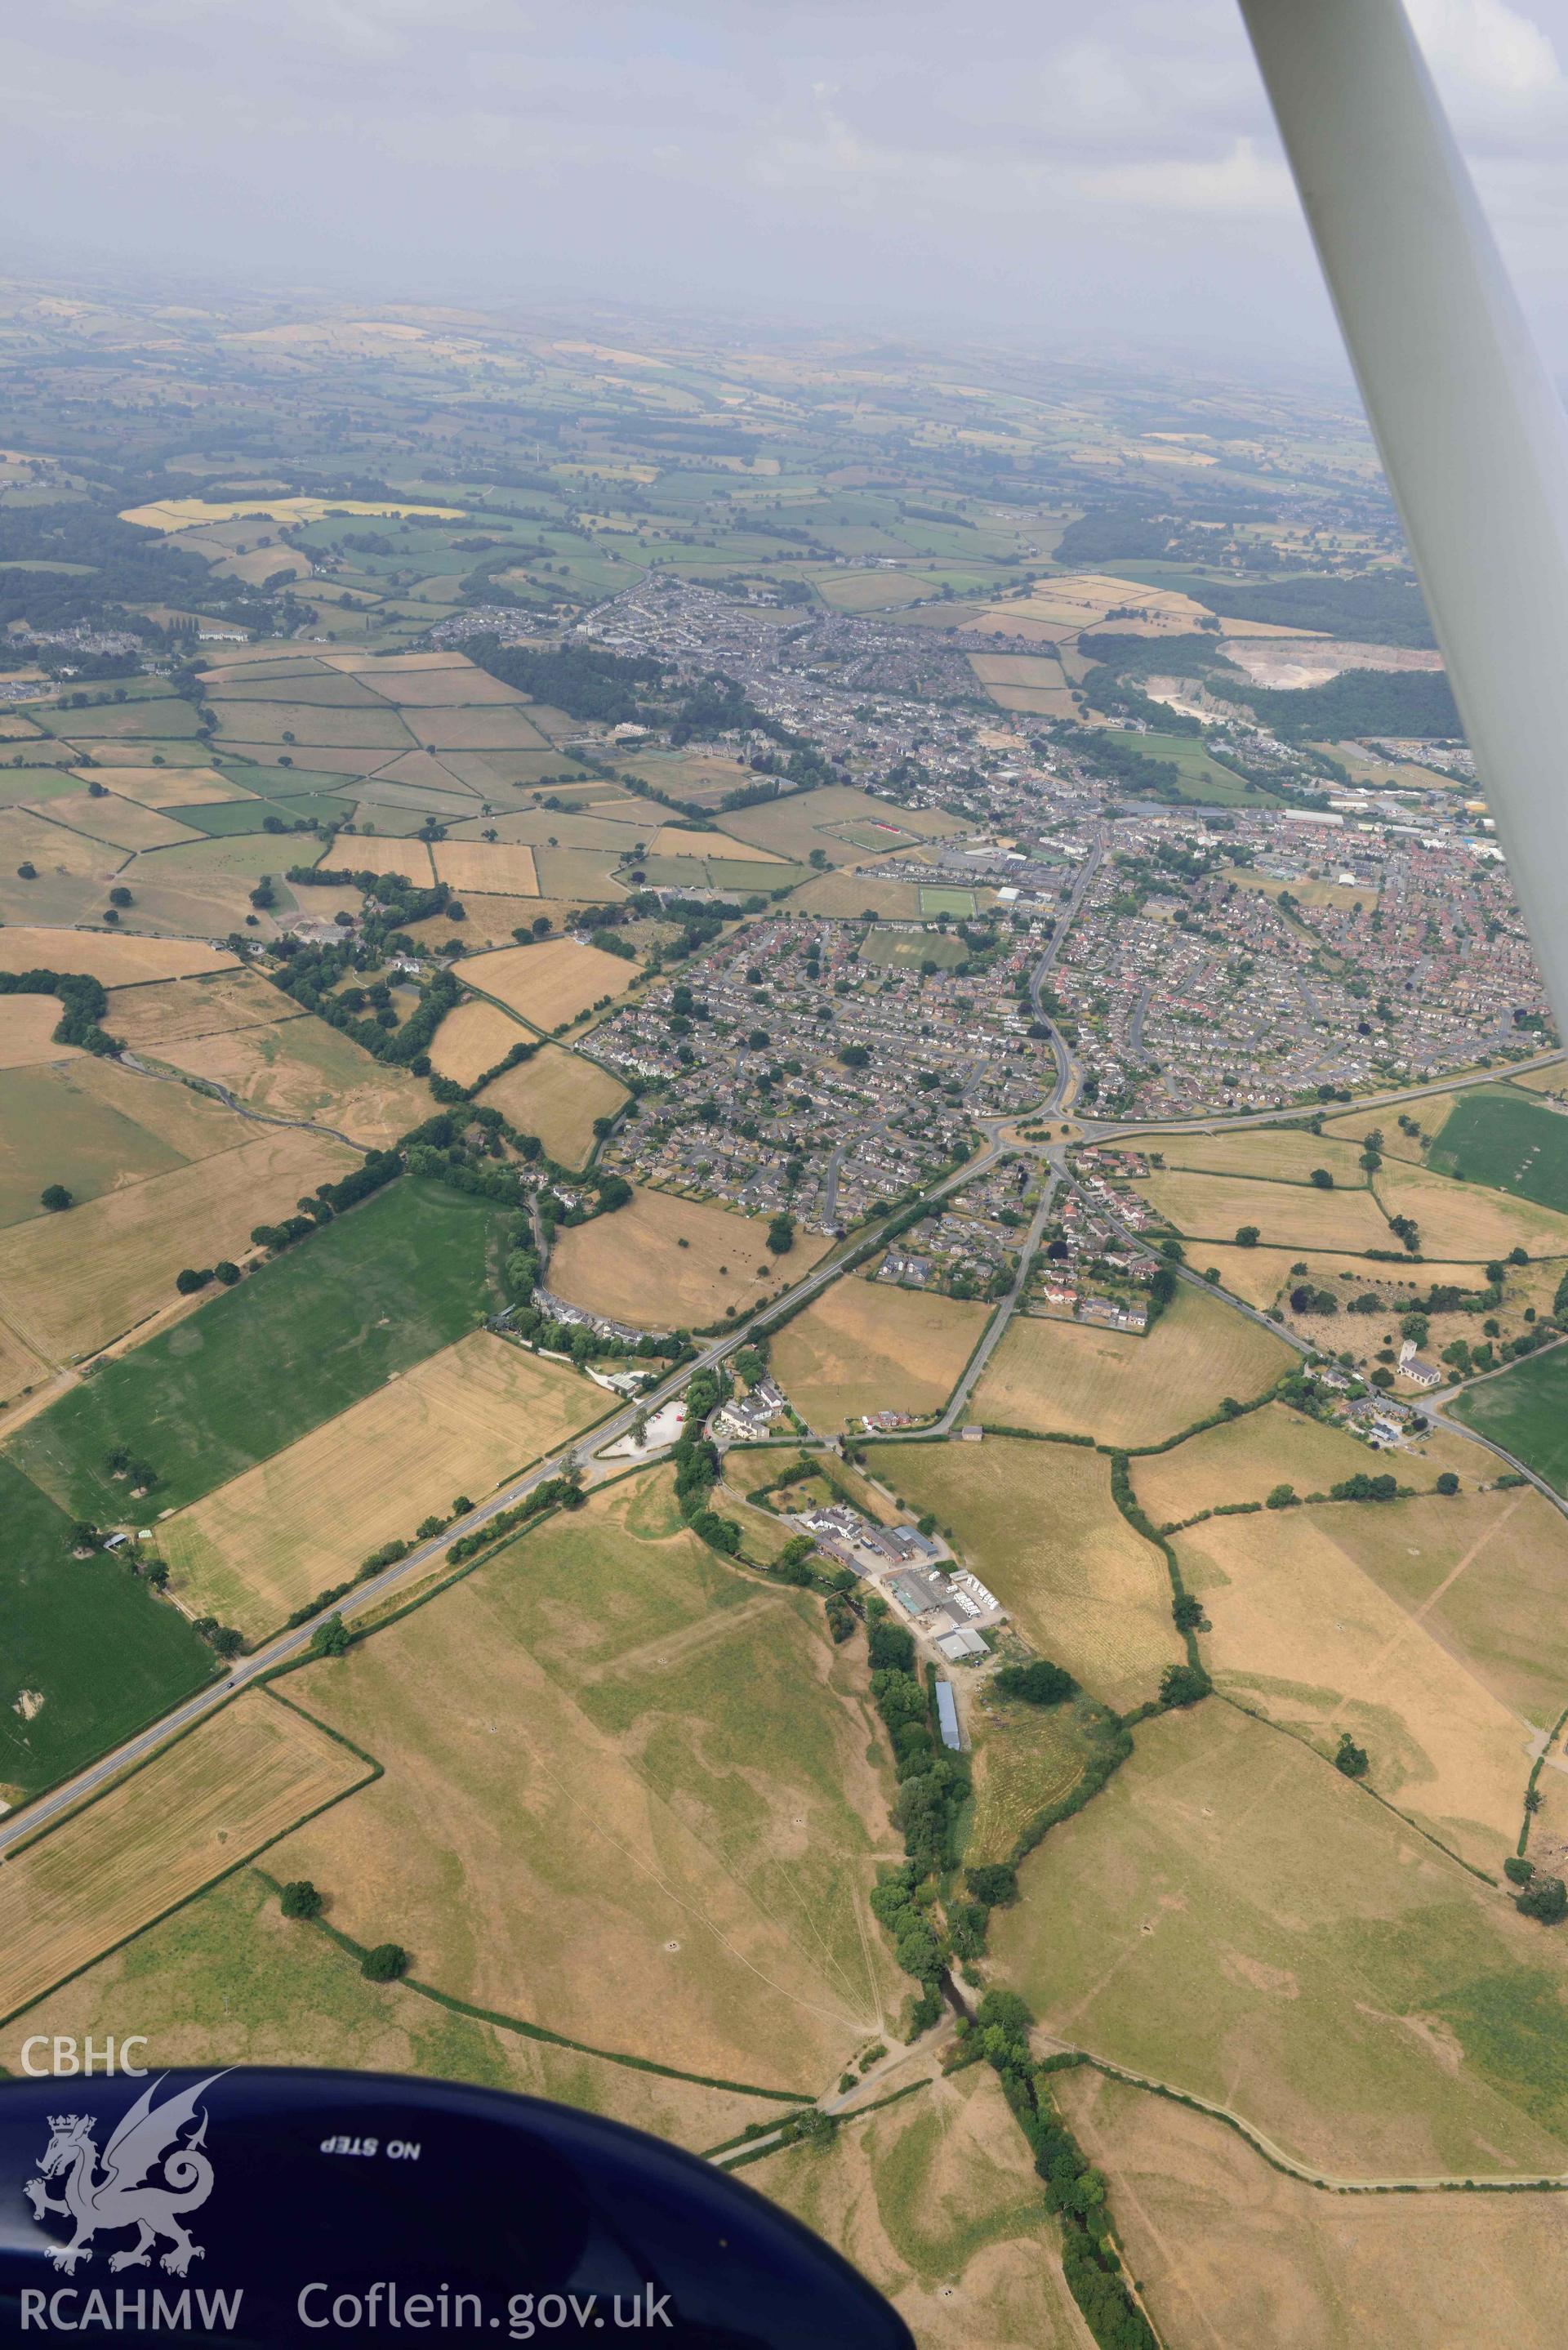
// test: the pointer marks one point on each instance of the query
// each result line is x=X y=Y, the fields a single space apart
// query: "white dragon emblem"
x=122 y=2194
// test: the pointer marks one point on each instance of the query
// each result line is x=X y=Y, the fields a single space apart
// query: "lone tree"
x=1183 y=1685
x=386 y=1964
x=1247 y=1236
x=1040 y=1683
x=55 y=1197
x=781 y=1234
x=1322 y=1179
x=1545 y=1899
x=1351 y=1759
x=332 y=1638
x=301 y=1899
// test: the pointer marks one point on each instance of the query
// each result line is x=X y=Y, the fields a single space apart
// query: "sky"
x=1077 y=176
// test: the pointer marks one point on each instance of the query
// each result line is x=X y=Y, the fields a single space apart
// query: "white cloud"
x=1244 y=181
x=1484 y=46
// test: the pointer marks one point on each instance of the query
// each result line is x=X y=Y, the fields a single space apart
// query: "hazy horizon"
x=879 y=170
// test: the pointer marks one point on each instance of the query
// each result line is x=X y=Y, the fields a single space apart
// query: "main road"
x=288 y=1647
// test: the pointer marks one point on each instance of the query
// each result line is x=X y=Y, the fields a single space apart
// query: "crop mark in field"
x=642 y=1868
x=1413 y=1622
x=675 y=1648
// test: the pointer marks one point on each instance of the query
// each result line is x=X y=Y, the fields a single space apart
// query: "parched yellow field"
x=472 y=1038
x=1464 y=1220
x=1298 y=1215
x=866 y=1346
x=167 y=787
x=552 y=981
x=1310 y=892
x=29 y=839
x=383 y=854
x=263 y=1544
x=935 y=2200
x=169 y=1011
x=503 y=869
x=228 y=1979
x=1282 y=1153
x=1231 y=1916
x=663 y=1262
x=1067 y=1376
x=1304 y=1635
x=196 y=1810
x=122 y=823
x=676 y=840
x=1261 y=1275
x=1552 y=1079
x=843 y=897
x=452 y=687
x=27 y=1032
x=301 y=1069
x=1036 y=670
x=1037 y=1523
x=1243 y=1460
x=1228 y=2249
x=629 y=1794
x=190 y=513
x=557 y=1095
x=478 y=727
x=72 y=1282
x=117 y=961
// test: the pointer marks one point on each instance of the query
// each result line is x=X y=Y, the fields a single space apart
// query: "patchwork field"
x=381 y=1287
x=89 y=1656
x=865 y=1347
x=1243 y=1460
x=1262 y=1276
x=1068 y=1377
x=1037 y=1523
x=474 y=1037
x=228 y=1979
x=935 y=2200
x=72 y=1282
x=302 y=1068
x=457 y=1423
x=1228 y=2249
x=665 y=1262
x=557 y=1095
x=572 y=1738
x=1233 y=1917
x=552 y=982
x=1287 y=1215
x=195 y=1811
x=1305 y=1634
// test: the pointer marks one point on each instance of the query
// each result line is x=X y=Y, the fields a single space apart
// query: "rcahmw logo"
x=146 y=2179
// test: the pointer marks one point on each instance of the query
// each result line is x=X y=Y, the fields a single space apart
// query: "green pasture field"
x=52 y=1131
x=957 y=902
x=900 y=951
x=1526 y=1411
x=296 y=1343
x=280 y=783
x=86 y=1636
x=168 y=719
x=250 y=815
x=1503 y=1139
x=1202 y=777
